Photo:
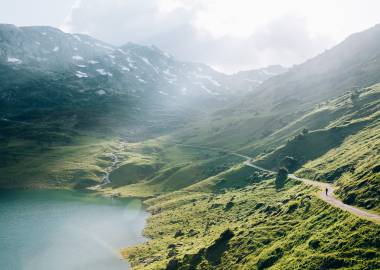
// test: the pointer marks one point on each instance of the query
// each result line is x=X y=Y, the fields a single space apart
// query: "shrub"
x=305 y=131
x=269 y=259
x=281 y=178
x=228 y=206
x=354 y=97
x=290 y=163
x=314 y=243
x=173 y=264
x=292 y=207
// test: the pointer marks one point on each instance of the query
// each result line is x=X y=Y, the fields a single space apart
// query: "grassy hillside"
x=159 y=166
x=254 y=227
x=345 y=150
x=354 y=166
x=266 y=118
x=77 y=165
x=209 y=210
x=237 y=219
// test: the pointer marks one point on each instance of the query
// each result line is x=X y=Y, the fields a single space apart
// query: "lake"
x=64 y=230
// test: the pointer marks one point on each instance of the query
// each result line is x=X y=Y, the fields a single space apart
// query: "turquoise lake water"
x=64 y=230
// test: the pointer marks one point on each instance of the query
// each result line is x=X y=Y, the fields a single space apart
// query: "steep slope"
x=340 y=146
x=256 y=227
x=354 y=63
x=283 y=99
x=42 y=68
x=209 y=211
x=270 y=135
x=254 y=78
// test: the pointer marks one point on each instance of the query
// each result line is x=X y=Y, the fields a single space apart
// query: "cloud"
x=283 y=41
x=229 y=36
x=118 y=21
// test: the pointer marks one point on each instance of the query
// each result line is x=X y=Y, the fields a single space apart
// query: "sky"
x=229 y=35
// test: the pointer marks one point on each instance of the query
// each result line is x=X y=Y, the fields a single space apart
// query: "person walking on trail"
x=327 y=190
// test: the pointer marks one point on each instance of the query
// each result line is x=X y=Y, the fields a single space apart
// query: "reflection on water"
x=64 y=230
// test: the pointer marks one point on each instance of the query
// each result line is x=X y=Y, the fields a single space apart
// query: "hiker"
x=327 y=190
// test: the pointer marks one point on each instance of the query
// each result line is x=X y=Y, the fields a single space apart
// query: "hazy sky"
x=227 y=34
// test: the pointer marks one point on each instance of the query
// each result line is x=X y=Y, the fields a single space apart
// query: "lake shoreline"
x=95 y=199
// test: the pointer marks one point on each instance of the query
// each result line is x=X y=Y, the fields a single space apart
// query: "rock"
x=215 y=251
x=173 y=264
x=172 y=253
x=192 y=233
x=178 y=233
x=215 y=205
x=376 y=169
x=228 y=206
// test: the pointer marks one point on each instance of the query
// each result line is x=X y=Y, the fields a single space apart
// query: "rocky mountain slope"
x=44 y=68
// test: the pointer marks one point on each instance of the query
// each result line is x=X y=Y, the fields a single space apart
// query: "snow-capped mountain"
x=43 y=68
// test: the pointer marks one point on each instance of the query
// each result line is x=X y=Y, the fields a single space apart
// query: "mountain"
x=352 y=64
x=250 y=121
x=211 y=210
x=43 y=68
x=132 y=121
x=327 y=113
x=57 y=87
x=255 y=77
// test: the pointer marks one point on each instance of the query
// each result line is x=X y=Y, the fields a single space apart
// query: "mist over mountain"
x=43 y=68
x=274 y=168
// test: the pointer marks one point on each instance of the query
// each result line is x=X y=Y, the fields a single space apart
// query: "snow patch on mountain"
x=253 y=81
x=146 y=61
x=124 y=68
x=101 y=71
x=104 y=46
x=77 y=57
x=77 y=38
x=131 y=63
x=14 y=60
x=81 y=75
x=209 y=78
x=209 y=91
x=139 y=79
x=163 y=93
x=101 y=92
x=170 y=77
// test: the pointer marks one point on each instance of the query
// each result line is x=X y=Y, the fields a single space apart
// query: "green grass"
x=198 y=196
x=76 y=165
x=352 y=166
x=160 y=166
x=286 y=229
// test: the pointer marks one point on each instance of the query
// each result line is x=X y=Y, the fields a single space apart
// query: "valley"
x=202 y=149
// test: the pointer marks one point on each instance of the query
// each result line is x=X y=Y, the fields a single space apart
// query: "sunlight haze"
x=203 y=30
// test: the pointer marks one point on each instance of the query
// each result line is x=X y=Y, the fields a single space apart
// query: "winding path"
x=326 y=192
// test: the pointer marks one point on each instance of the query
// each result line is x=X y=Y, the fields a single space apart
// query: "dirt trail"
x=328 y=196
x=326 y=193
